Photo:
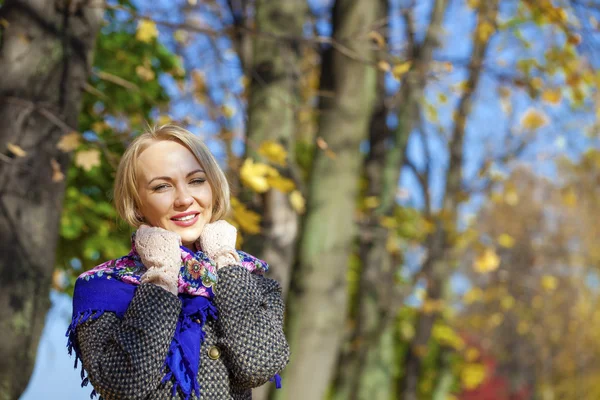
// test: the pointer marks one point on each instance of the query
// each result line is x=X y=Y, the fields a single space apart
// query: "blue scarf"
x=110 y=287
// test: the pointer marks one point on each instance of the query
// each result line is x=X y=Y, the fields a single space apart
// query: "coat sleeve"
x=251 y=326
x=124 y=358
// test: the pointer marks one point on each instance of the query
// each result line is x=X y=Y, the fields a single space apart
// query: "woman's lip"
x=186 y=223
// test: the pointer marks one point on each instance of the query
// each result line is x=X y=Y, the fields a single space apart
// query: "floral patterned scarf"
x=110 y=287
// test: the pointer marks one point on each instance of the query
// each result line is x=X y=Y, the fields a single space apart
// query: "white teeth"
x=186 y=218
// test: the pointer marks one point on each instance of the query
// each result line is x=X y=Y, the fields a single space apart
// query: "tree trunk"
x=377 y=302
x=435 y=268
x=318 y=297
x=272 y=116
x=45 y=57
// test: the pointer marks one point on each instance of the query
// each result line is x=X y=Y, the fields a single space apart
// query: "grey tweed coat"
x=243 y=349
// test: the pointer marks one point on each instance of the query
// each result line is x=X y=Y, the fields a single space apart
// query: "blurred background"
x=422 y=177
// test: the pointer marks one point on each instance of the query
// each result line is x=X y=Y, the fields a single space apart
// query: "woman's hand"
x=217 y=240
x=160 y=252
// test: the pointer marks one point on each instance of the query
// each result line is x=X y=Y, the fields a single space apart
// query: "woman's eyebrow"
x=166 y=178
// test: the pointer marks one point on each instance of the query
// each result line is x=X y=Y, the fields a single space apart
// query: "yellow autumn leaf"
x=69 y=142
x=371 y=202
x=180 y=36
x=447 y=336
x=407 y=330
x=163 y=120
x=484 y=31
x=228 y=111
x=472 y=375
x=146 y=31
x=487 y=261
x=522 y=327
x=472 y=354
x=473 y=3
x=552 y=96
x=145 y=73
x=297 y=201
x=384 y=66
x=388 y=222
x=280 y=183
x=473 y=295
x=511 y=197
x=505 y=240
x=57 y=174
x=273 y=151
x=247 y=220
x=87 y=159
x=507 y=302
x=254 y=175
x=16 y=150
x=533 y=119
x=569 y=198
x=401 y=69
x=549 y=283
x=377 y=38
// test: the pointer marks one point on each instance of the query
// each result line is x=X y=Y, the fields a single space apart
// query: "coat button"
x=214 y=353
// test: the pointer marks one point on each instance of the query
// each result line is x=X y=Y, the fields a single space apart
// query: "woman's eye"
x=198 y=181
x=160 y=187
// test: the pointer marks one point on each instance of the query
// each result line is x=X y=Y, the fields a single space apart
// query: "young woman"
x=184 y=315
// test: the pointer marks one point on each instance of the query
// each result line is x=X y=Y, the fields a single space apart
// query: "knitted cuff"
x=226 y=256
x=161 y=277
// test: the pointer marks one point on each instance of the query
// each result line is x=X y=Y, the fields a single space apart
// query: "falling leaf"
x=254 y=175
x=377 y=38
x=297 y=201
x=552 y=96
x=87 y=159
x=57 y=175
x=4 y=22
x=505 y=240
x=533 y=119
x=16 y=150
x=487 y=261
x=549 y=283
x=69 y=142
x=248 y=220
x=473 y=3
x=273 y=151
x=400 y=69
x=146 y=31
x=282 y=184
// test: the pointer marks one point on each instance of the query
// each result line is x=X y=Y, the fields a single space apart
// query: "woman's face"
x=174 y=191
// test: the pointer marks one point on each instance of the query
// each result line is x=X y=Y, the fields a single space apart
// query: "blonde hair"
x=126 y=196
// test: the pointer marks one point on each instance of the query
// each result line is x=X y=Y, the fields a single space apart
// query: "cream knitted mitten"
x=159 y=251
x=217 y=240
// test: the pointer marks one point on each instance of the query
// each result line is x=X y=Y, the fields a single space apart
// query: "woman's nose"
x=183 y=198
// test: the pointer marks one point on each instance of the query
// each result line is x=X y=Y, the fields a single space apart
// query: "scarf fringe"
x=72 y=345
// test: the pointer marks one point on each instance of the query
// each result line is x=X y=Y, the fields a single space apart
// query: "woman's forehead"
x=166 y=157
